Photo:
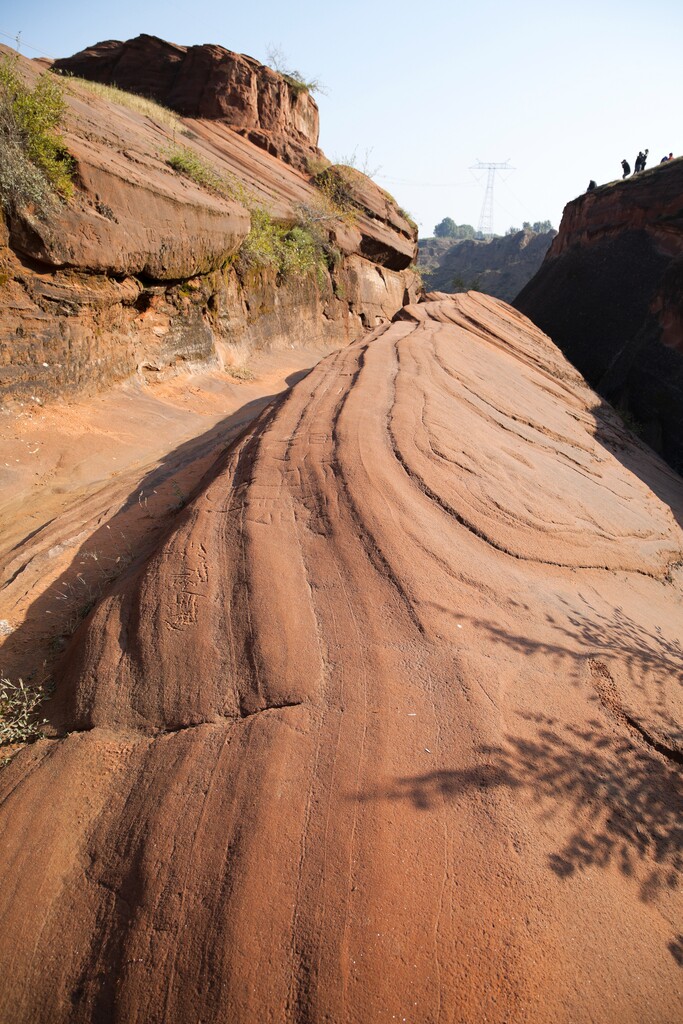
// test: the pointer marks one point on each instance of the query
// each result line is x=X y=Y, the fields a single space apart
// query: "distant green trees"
x=539 y=226
x=449 y=229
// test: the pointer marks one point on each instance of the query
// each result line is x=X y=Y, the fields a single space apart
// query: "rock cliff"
x=610 y=294
x=138 y=273
x=387 y=727
x=499 y=267
x=209 y=82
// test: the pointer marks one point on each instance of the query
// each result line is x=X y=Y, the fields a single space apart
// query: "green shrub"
x=34 y=162
x=297 y=249
x=18 y=706
x=335 y=184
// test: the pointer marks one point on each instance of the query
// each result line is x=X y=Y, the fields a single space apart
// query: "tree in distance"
x=539 y=227
x=449 y=229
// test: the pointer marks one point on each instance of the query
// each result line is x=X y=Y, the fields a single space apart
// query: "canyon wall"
x=271 y=110
x=610 y=294
x=140 y=273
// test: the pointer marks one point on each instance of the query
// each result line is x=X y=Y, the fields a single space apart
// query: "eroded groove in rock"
x=345 y=761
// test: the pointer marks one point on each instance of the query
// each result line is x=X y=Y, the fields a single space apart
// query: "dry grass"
x=18 y=707
x=140 y=104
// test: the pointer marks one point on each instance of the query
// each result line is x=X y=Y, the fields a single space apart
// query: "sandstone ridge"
x=388 y=723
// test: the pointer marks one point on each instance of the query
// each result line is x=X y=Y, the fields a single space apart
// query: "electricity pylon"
x=486 y=218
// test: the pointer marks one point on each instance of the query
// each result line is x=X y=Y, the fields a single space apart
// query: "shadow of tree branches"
x=625 y=803
x=644 y=661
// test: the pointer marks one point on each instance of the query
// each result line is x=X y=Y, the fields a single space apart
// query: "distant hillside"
x=500 y=266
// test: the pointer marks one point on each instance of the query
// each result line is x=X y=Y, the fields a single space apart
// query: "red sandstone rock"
x=610 y=294
x=209 y=82
x=387 y=727
x=103 y=293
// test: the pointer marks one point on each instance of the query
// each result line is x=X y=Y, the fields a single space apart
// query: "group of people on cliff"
x=641 y=160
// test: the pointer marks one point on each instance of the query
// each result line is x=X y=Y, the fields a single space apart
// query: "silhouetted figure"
x=644 y=160
x=638 y=166
x=591 y=186
x=665 y=159
x=626 y=168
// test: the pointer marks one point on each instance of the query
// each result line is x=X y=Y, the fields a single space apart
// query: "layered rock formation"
x=209 y=82
x=610 y=293
x=501 y=266
x=387 y=727
x=137 y=273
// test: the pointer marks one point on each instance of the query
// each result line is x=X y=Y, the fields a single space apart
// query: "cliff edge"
x=610 y=294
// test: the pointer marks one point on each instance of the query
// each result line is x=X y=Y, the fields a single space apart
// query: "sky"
x=420 y=93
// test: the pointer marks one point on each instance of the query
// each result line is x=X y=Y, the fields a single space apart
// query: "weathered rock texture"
x=610 y=294
x=499 y=267
x=137 y=273
x=389 y=725
x=209 y=82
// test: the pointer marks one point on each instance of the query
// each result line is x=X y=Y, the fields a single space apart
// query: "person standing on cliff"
x=626 y=168
x=643 y=159
x=638 y=166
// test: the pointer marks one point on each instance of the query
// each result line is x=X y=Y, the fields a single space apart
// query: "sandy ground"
x=87 y=485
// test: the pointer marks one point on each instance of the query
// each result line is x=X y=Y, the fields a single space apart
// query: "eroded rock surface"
x=389 y=725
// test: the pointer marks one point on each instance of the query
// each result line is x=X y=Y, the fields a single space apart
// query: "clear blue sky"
x=421 y=91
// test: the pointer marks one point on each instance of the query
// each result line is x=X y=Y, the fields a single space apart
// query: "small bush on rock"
x=189 y=163
x=18 y=706
x=335 y=184
x=289 y=249
x=34 y=162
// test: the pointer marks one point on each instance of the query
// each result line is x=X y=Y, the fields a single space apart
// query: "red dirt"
x=386 y=728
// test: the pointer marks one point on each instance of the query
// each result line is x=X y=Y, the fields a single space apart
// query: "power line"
x=426 y=184
x=16 y=38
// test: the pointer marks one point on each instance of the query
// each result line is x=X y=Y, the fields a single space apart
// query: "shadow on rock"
x=625 y=803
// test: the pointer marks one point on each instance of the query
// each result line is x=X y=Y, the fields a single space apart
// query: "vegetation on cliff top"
x=34 y=162
x=447 y=228
x=298 y=81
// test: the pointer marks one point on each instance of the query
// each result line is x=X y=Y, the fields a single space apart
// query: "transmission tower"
x=486 y=217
